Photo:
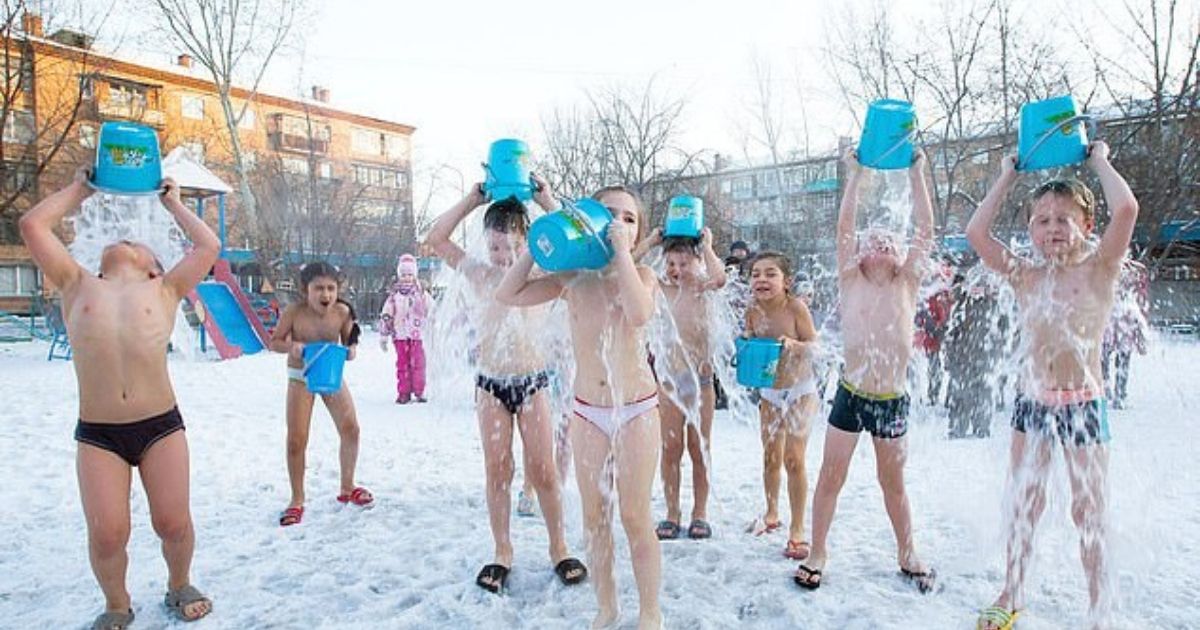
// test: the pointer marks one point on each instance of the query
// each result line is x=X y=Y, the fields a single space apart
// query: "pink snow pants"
x=410 y=367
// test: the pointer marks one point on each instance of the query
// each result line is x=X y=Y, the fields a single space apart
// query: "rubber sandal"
x=113 y=620
x=810 y=579
x=997 y=618
x=797 y=550
x=359 y=496
x=699 y=530
x=925 y=581
x=292 y=516
x=667 y=530
x=178 y=601
x=568 y=566
x=492 y=577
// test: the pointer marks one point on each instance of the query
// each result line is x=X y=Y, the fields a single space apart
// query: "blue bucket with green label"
x=685 y=217
x=1051 y=133
x=323 y=365
x=757 y=360
x=128 y=161
x=507 y=172
x=887 y=137
x=575 y=237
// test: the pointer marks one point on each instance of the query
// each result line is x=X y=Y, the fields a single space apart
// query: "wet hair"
x=682 y=244
x=355 y=329
x=784 y=263
x=507 y=216
x=317 y=269
x=1072 y=189
x=637 y=203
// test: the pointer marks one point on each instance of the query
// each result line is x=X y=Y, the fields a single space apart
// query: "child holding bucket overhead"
x=878 y=290
x=787 y=406
x=402 y=320
x=512 y=386
x=615 y=427
x=1065 y=296
x=309 y=332
x=687 y=398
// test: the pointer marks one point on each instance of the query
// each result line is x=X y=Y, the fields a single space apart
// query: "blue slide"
x=226 y=312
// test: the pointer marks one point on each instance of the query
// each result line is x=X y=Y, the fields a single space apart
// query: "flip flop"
x=797 y=550
x=568 y=566
x=760 y=526
x=810 y=578
x=997 y=617
x=699 y=530
x=113 y=620
x=178 y=601
x=292 y=516
x=359 y=496
x=925 y=581
x=667 y=530
x=492 y=577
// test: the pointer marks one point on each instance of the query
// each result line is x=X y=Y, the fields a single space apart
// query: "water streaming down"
x=104 y=219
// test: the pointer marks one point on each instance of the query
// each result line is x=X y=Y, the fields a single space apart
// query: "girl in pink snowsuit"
x=403 y=316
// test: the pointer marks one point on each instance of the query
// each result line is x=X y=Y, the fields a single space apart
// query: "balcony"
x=297 y=143
x=136 y=112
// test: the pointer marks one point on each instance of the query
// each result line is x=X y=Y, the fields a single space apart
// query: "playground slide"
x=230 y=322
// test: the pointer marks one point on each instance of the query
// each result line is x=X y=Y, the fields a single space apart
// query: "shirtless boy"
x=616 y=401
x=512 y=386
x=686 y=397
x=878 y=290
x=119 y=323
x=319 y=317
x=1065 y=295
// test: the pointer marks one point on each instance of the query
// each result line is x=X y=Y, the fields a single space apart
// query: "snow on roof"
x=191 y=175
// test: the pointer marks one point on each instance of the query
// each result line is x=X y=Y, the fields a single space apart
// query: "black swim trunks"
x=130 y=440
x=513 y=392
x=881 y=416
x=1079 y=423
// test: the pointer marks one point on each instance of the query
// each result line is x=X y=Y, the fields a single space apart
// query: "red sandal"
x=797 y=550
x=291 y=516
x=359 y=496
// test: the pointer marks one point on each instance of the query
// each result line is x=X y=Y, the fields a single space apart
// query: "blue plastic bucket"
x=1051 y=133
x=507 y=172
x=128 y=161
x=685 y=217
x=757 y=359
x=887 y=136
x=574 y=237
x=323 y=363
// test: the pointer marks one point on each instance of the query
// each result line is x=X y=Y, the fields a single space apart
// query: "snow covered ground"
x=411 y=562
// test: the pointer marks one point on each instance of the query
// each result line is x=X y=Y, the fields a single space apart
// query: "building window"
x=87 y=87
x=743 y=188
x=19 y=176
x=18 y=127
x=128 y=95
x=295 y=166
x=379 y=176
x=396 y=147
x=18 y=280
x=325 y=170
x=194 y=150
x=192 y=106
x=87 y=136
x=367 y=142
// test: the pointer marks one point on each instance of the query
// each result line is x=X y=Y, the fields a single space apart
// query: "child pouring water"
x=687 y=399
x=615 y=430
x=512 y=385
x=319 y=317
x=1065 y=296
x=120 y=323
x=402 y=320
x=786 y=409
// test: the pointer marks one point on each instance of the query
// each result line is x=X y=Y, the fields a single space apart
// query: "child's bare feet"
x=650 y=620
x=606 y=618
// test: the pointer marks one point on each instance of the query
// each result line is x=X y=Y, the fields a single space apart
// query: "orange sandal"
x=360 y=496
x=291 y=516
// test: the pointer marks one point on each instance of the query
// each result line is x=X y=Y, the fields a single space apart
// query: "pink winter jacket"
x=404 y=312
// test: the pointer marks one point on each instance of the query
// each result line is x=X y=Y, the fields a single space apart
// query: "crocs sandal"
x=699 y=530
x=492 y=577
x=292 y=516
x=667 y=530
x=996 y=618
x=797 y=550
x=571 y=571
x=113 y=620
x=178 y=602
x=359 y=496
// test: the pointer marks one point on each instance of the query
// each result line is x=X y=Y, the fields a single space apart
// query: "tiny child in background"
x=403 y=317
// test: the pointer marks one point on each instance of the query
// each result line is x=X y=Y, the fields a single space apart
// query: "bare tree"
x=235 y=41
x=39 y=137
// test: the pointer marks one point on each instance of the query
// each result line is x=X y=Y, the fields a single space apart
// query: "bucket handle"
x=911 y=136
x=1087 y=120
x=571 y=209
x=308 y=364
